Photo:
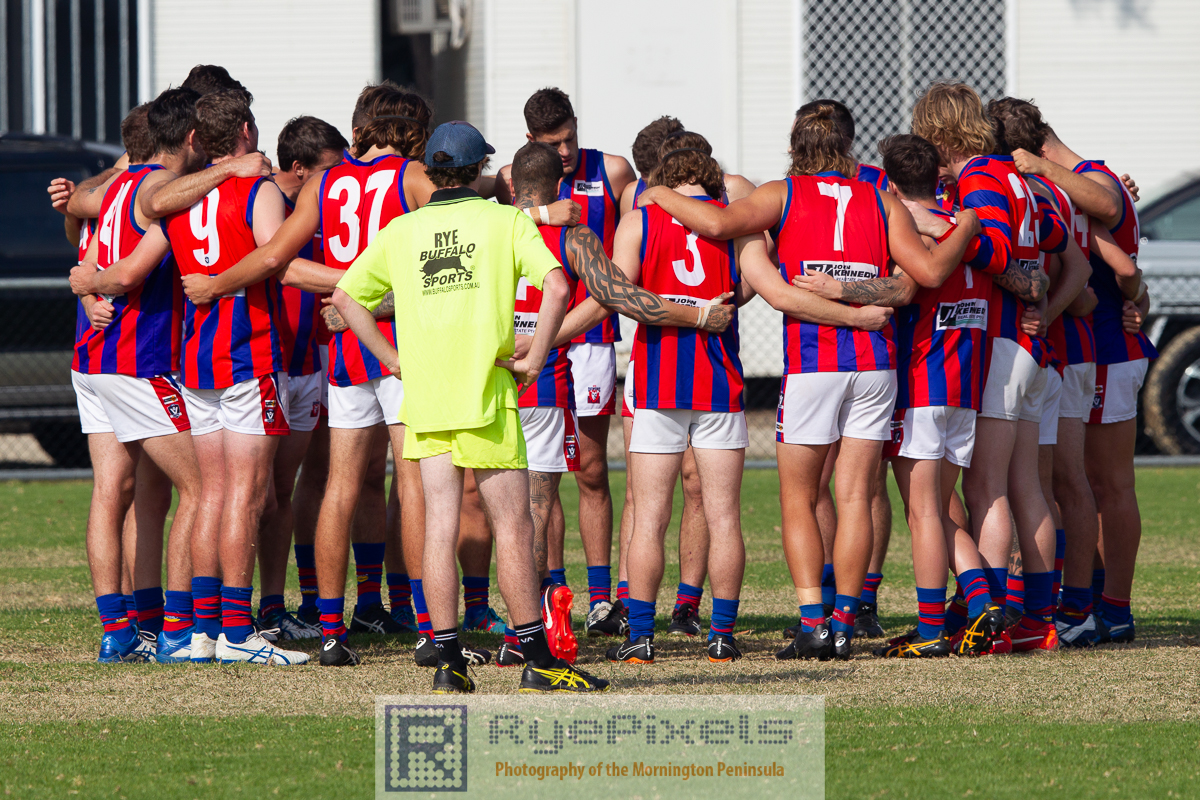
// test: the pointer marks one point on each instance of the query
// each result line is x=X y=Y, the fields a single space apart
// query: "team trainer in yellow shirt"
x=453 y=267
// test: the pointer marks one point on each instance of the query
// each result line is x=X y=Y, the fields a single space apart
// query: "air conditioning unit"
x=447 y=21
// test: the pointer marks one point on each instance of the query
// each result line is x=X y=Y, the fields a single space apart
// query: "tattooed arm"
x=893 y=291
x=333 y=320
x=615 y=289
x=1029 y=285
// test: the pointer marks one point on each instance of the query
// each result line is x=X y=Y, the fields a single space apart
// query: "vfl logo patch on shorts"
x=963 y=314
x=171 y=403
x=569 y=440
x=269 y=411
x=897 y=430
x=590 y=188
x=593 y=394
x=316 y=409
x=1098 y=397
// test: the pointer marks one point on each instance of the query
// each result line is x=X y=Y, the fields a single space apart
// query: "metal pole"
x=145 y=73
x=3 y=67
x=76 y=73
x=123 y=22
x=51 y=66
x=26 y=66
x=37 y=65
x=99 y=13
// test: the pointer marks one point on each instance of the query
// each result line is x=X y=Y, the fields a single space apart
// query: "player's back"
x=940 y=342
x=301 y=330
x=600 y=210
x=233 y=339
x=835 y=225
x=143 y=338
x=553 y=387
x=1113 y=344
x=685 y=367
x=358 y=199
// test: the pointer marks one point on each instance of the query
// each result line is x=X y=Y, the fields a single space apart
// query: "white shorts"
x=551 y=443
x=594 y=372
x=671 y=430
x=822 y=407
x=132 y=408
x=1015 y=384
x=1117 y=387
x=627 y=393
x=366 y=404
x=931 y=433
x=1051 y=401
x=258 y=406
x=304 y=401
x=1079 y=387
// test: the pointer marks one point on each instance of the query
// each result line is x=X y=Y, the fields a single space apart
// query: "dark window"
x=33 y=230
x=1179 y=224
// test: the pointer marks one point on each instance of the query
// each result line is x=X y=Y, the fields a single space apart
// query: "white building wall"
x=296 y=56
x=1118 y=81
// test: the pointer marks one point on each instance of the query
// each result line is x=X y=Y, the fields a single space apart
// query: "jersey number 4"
x=110 y=228
x=347 y=189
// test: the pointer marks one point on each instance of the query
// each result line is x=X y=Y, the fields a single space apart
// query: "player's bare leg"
x=1077 y=507
x=857 y=469
x=175 y=457
x=720 y=474
x=627 y=517
x=275 y=538
x=800 y=471
x=113 y=465
x=986 y=492
x=1035 y=528
x=693 y=551
x=399 y=580
x=653 y=492
x=206 y=562
x=867 y=621
x=475 y=558
x=595 y=498
x=306 y=508
x=368 y=536
x=248 y=460
x=1109 y=459
x=828 y=521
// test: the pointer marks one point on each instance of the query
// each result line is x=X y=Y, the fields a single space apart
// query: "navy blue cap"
x=460 y=140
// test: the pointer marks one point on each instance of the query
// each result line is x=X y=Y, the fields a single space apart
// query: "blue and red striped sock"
x=845 y=609
x=149 y=603
x=418 y=598
x=510 y=636
x=724 y=617
x=177 y=613
x=931 y=611
x=599 y=585
x=559 y=576
x=623 y=592
x=206 y=604
x=368 y=567
x=1060 y=552
x=997 y=581
x=1015 y=594
x=114 y=617
x=956 y=612
x=1097 y=587
x=236 y=622
x=1115 y=610
x=975 y=589
x=828 y=585
x=1076 y=601
x=688 y=595
x=641 y=619
x=811 y=615
x=131 y=608
x=268 y=604
x=870 y=590
x=475 y=591
x=1039 y=604
x=306 y=569
x=333 y=616
x=399 y=590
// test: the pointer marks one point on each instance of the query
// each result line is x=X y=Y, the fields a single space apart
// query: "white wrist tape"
x=703 y=316
x=545 y=214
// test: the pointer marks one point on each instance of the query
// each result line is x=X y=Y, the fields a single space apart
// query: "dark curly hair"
x=819 y=142
x=1017 y=124
x=547 y=110
x=219 y=120
x=449 y=177
x=684 y=158
x=649 y=139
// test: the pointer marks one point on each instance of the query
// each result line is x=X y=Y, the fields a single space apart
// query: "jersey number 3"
x=695 y=275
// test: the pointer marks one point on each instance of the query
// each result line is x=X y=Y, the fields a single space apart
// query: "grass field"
x=1122 y=721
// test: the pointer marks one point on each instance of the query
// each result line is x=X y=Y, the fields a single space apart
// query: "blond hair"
x=950 y=115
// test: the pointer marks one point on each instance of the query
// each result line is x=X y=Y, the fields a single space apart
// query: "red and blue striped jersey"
x=686 y=367
x=86 y=231
x=143 y=338
x=835 y=225
x=1113 y=344
x=941 y=339
x=589 y=187
x=1009 y=217
x=637 y=191
x=358 y=200
x=300 y=324
x=873 y=175
x=945 y=195
x=234 y=339
x=553 y=388
x=1070 y=336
